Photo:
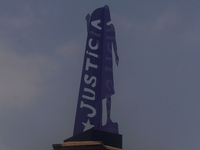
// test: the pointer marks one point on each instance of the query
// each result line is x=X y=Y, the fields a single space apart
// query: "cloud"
x=3 y=147
x=167 y=19
x=68 y=49
x=24 y=17
x=191 y=36
x=124 y=21
x=73 y=50
x=127 y=24
x=22 y=77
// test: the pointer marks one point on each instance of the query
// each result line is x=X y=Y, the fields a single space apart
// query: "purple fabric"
x=97 y=74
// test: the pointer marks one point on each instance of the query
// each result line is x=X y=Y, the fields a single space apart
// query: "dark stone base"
x=110 y=139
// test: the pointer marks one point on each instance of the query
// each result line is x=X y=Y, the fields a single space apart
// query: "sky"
x=157 y=83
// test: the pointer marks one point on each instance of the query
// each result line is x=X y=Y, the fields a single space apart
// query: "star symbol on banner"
x=87 y=125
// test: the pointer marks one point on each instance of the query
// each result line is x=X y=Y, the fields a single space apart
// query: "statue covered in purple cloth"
x=97 y=76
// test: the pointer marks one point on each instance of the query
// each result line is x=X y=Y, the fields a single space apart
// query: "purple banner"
x=97 y=74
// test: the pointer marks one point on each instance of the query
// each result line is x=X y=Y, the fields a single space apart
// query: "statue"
x=97 y=75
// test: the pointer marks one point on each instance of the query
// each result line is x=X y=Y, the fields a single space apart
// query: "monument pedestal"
x=97 y=68
x=110 y=139
x=83 y=145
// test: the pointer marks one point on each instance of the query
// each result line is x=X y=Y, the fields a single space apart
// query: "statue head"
x=107 y=14
x=101 y=13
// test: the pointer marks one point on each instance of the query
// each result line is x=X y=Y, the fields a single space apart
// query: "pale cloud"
x=191 y=36
x=168 y=18
x=24 y=17
x=22 y=77
x=72 y=48
x=2 y=145
x=123 y=22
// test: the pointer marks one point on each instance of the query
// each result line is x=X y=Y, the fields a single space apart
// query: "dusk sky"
x=157 y=83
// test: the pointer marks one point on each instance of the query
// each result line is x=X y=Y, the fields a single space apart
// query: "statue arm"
x=115 y=48
x=88 y=21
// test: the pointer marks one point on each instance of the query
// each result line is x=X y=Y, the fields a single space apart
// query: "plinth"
x=108 y=138
x=83 y=145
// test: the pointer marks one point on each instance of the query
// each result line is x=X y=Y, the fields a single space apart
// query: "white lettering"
x=95 y=24
x=88 y=64
x=90 y=107
x=90 y=80
x=92 y=54
x=95 y=34
x=91 y=92
x=93 y=47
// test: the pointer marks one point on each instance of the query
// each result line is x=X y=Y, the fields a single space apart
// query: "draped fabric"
x=97 y=74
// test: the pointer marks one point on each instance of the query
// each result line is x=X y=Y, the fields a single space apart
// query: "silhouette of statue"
x=97 y=81
x=107 y=75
